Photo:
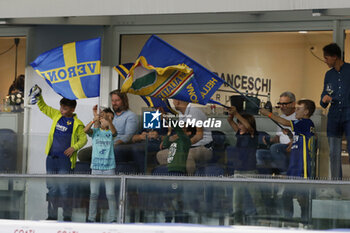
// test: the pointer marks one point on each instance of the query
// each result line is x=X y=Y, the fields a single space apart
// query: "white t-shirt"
x=192 y=112
x=284 y=139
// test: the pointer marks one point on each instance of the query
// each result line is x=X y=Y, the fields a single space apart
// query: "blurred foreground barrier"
x=19 y=226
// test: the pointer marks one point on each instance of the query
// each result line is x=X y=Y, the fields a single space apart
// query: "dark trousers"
x=139 y=153
x=58 y=190
x=302 y=197
x=335 y=130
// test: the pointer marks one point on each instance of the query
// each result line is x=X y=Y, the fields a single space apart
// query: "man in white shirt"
x=281 y=143
x=200 y=143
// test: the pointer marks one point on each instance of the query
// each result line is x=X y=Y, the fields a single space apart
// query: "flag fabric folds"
x=123 y=69
x=73 y=69
x=163 y=71
x=153 y=102
x=146 y=80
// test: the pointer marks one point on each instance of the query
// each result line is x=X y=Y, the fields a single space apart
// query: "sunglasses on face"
x=284 y=104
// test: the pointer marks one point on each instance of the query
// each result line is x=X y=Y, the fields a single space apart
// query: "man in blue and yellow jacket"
x=65 y=138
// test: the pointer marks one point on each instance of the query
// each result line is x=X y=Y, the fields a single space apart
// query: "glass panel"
x=213 y=201
x=259 y=200
x=11 y=142
x=250 y=63
x=239 y=201
x=26 y=197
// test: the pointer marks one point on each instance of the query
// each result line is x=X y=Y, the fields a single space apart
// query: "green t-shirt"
x=178 y=151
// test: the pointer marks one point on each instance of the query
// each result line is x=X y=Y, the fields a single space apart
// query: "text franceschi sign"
x=247 y=83
x=153 y=120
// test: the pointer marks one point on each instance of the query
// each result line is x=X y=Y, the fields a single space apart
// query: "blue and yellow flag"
x=123 y=69
x=153 y=102
x=73 y=69
x=163 y=71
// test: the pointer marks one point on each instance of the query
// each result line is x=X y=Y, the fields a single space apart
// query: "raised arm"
x=96 y=116
x=278 y=119
x=111 y=126
x=87 y=128
x=231 y=114
x=47 y=110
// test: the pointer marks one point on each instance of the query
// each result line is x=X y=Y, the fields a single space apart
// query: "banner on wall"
x=72 y=70
x=163 y=71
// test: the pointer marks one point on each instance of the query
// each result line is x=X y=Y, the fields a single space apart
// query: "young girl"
x=247 y=140
x=103 y=161
x=244 y=159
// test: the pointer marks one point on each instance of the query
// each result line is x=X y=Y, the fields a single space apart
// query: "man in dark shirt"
x=336 y=91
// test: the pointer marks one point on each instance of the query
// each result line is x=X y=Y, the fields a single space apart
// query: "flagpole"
x=99 y=105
